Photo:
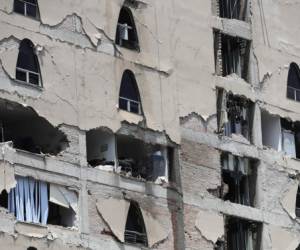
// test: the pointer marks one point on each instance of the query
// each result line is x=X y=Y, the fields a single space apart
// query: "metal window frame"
x=28 y=72
x=128 y=105
x=25 y=8
x=295 y=90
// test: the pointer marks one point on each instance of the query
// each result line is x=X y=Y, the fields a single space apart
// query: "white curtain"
x=29 y=200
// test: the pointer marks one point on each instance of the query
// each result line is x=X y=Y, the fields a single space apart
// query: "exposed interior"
x=233 y=9
x=281 y=134
x=135 y=230
x=31 y=201
x=128 y=155
x=59 y=215
x=235 y=114
x=28 y=131
x=231 y=55
x=126 y=35
x=238 y=179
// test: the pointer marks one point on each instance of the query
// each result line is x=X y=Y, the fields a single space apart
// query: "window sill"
x=29 y=85
x=130 y=117
x=37 y=19
x=292 y=100
x=135 y=50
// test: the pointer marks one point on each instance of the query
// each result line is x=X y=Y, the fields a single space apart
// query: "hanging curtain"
x=29 y=200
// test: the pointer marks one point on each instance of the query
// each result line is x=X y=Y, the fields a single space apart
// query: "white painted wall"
x=271 y=131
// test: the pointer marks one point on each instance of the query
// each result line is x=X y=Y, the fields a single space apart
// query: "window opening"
x=233 y=9
x=135 y=230
x=31 y=201
x=126 y=35
x=129 y=98
x=238 y=179
x=242 y=234
x=28 y=70
x=129 y=156
x=293 y=86
x=27 y=8
x=235 y=114
x=231 y=55
x=28 y=131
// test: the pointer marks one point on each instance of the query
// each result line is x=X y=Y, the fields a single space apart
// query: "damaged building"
x=138 y=124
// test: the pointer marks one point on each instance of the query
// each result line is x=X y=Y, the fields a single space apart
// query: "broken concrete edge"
x=7 y=176
x=211 y=225
x=156 y=233
x=288 y=199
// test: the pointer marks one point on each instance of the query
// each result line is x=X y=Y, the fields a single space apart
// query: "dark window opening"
x=293 y=86
x=242 y=234
x=31 y=248
x=129 y=156
x=61 y=216
x=28 y=69
x=126 y=35
x=27 y=8
x=34 y=201
x=135 y=230
x=238 y=180
x=298 y=203
x=231 y=55
x=4 y=199
x=141 y=160
x=28 y=131
x=298 y=248
x=129 y=98
x=233 y=9
x=235 y=114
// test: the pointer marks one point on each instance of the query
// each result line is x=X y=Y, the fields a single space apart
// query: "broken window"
x=231 y=55
x=293 y=86
x=39 y=202
x=234 y=114
x=281 y=134
x=298 y=203
x=238 y=179
x=129 y=98
x=126 y=35
x=242 y=234
x=27 y=8
x=28 y=69
x=28 y=131
x=128 y=155
x=233 y=9
x=135 y=230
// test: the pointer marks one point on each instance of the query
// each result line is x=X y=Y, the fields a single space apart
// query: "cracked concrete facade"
x=81 y=69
